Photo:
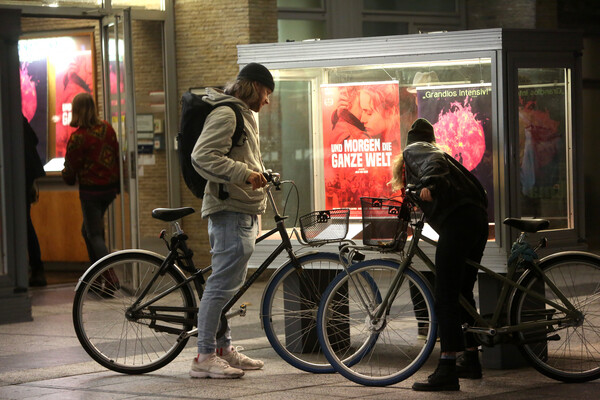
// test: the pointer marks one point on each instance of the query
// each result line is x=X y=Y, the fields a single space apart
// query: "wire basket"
x=385 y=222
x=325 y=226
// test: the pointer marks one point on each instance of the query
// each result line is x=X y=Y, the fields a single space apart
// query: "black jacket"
x=33 y=165
x=451 y=184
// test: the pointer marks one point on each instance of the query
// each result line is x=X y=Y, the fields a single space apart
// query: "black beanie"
x=259 y=73
x=420 y=131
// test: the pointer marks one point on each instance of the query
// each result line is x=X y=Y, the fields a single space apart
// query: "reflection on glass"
x=115 y=114
x=300 y=29
x=544 y=132
x=285 y=142
x=455 y=96
x=300 y=3
x=446 y=6
x=141 y=4
x=371 y=28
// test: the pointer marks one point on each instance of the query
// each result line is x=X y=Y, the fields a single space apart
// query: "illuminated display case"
x=505 y=103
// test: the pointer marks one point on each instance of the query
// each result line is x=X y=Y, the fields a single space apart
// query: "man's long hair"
x=244 y=90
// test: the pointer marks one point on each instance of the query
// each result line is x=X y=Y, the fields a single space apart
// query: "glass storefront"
x=335 y=131
x=342 y=108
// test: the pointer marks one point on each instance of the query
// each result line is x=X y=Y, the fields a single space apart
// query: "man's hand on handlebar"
x=257 y=180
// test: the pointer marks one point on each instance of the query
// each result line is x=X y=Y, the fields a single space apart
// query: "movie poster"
x=461 y=117
x=361 y=136
x=73 y=76
x=53 y=71
x=542 y=154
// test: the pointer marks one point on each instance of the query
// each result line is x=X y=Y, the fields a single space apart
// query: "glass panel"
x=446 y=6
x=139 y=4
x=115 y=114
x=56 y=3
x=384 y=28
x=300 y=3
x=144 y=4
x=544 y=137
x=300 y=29
x=285 y=135
x=150 y=105
x=53 y=70
x=358 y=118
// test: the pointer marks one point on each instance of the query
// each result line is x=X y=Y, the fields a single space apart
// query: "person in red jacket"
x=92 y=159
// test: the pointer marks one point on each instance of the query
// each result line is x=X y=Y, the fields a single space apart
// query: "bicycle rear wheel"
x=568 y=350
x=122 y=340
x=370 y=352
x=289 y=310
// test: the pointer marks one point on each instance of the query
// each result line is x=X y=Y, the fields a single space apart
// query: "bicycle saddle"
x=528 y=225
x=171 y=214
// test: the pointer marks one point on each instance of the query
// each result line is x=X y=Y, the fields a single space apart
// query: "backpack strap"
x=237 y=134
x=239 y=124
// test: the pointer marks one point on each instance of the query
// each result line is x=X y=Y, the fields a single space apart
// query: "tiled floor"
x=42 y=359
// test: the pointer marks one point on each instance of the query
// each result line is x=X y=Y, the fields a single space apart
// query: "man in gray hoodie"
x=233 y=218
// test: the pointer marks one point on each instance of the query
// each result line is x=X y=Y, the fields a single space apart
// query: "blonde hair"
x=397 y=181
x=83 y=111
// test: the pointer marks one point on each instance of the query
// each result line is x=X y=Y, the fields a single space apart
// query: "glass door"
x=544 y=143
x=119 y=110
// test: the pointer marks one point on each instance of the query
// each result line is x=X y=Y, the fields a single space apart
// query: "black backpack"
x=193 y=115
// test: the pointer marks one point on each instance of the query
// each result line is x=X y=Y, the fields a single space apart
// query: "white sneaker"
x=241 y=361
x=214 y=367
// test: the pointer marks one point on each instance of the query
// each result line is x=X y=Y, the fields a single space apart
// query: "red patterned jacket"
x=93 y=159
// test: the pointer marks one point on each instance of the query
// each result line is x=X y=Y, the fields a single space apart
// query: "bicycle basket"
x=385 y=222
x=325 y=226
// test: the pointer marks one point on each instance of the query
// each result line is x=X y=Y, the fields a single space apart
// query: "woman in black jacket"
x=454 y=203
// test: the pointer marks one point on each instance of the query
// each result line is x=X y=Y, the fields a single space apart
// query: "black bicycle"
x=377 y=324
x=134 y=310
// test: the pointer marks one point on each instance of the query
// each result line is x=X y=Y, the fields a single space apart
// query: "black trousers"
x=463 y=235
x=33 y=244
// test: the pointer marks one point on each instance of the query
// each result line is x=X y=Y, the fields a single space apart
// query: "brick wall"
x=149 y=78
x=500 y=14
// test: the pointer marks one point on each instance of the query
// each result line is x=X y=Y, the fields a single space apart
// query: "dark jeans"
x=463 y=235
x=33 y=245
x=93 y=227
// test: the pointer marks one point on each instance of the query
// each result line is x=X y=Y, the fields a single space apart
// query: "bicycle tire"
x=566 y=352
x=122 y=342
x=375 y=353
x=289 y=310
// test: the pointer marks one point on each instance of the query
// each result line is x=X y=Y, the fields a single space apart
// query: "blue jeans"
x=93 y=227
x=232 y=238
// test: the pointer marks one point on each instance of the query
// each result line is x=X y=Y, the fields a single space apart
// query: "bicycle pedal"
x=240 y=312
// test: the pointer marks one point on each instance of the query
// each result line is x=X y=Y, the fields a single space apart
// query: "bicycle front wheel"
x=289 y=310
x=569 y=348
x=109 y=327
x=370 y=351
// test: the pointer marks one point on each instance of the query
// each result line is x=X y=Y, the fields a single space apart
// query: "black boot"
x=468 y=365
x=443 y=378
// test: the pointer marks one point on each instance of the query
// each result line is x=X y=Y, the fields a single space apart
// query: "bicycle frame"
x=484 y=326
x=197 y=277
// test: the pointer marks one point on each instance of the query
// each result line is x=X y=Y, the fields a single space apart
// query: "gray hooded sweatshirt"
x=210 y=160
